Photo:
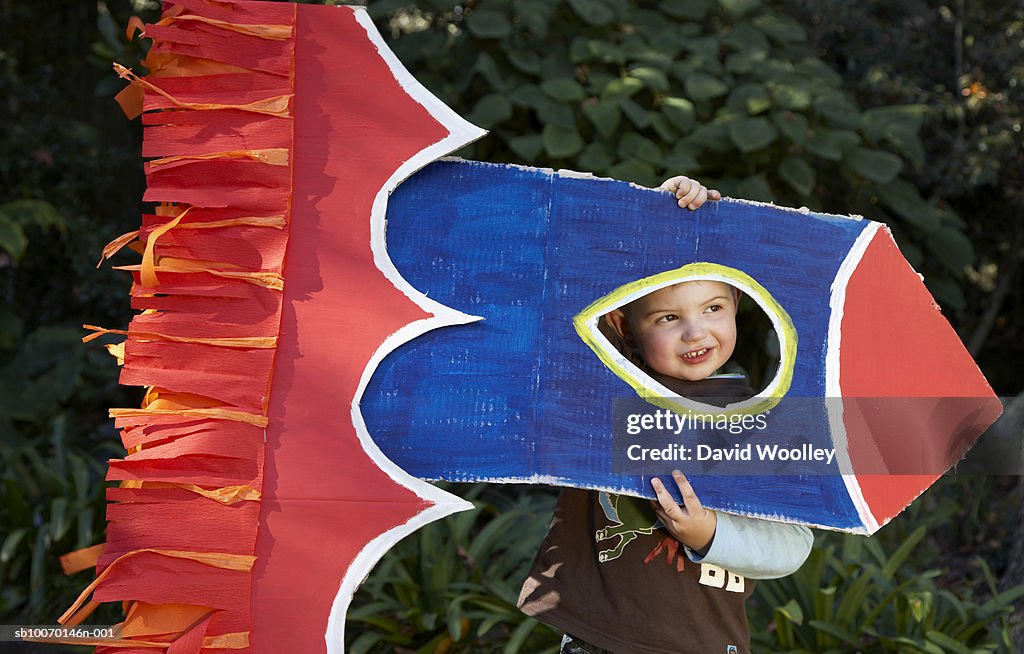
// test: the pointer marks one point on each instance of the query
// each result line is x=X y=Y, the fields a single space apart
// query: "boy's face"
x=686 y=331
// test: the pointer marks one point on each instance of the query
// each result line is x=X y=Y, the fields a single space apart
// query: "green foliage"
x=68 y=185
x=968 y=105
x=853 y=595
x=452 y=586
x=51 y=502
x=730 y=92
x=15 y=217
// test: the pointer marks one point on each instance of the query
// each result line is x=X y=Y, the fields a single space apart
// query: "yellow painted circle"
x=586 y=326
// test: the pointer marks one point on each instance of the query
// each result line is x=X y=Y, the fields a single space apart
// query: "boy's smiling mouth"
x=696 y=356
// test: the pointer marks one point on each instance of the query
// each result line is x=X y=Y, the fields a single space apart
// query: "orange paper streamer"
x=191 y=456
x=213 y=559
x=274 y=106
x=112 y=248
x=273 y=156
x=79 y=560
x=216 y=414
x=148 y=271
x=276 y=32
x=258 y=342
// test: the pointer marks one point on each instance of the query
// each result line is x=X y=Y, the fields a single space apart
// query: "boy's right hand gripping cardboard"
x=873 y=395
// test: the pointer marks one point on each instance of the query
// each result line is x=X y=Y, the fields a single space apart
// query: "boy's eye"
x=713 y=308
x=668 y=317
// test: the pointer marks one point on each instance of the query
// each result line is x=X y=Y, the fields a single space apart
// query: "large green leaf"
x=798 y=174
x=594 y=12
x=878 y=122
x=563 y=89
x=560 y=142
x=740 y=8
x=490 y=110
x=12 y=238
x=792 y=612
x=10 y=544
x=528 y=95
x=790 y=96
x=665 y=130
x=557 y=114
x=680 y=112
x=653 y=78
x=818 y=71
x=780 y=27
x=634 y=170
x=750 y=98
x=488 y=24
x=604 y=51
x=634 y=145
x=903 y=197
x=701 y=86
x=744 y=61
x=713 y=137
x=755 y=187
x=953 y=249
x=528 y=146
x=636 y=114
x=38 y=212
x=745 y=36
x=750 y=134
x=838 y=110
x=792 y=125
x=947 y=643
x=921 y=604
x=622 y=87
x=489 y=70
x=681 y=163
x=831 y=144
x=876 y=165
x=899 y=125
x=534 y=15
x=605 y=115
x=686 y=9
x=595 y=158
x=525 y=60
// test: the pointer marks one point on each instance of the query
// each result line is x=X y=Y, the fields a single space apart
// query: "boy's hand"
x=689 y=192
x=691 y=524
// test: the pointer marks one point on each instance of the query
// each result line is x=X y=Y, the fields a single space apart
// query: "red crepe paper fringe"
x=182 y=525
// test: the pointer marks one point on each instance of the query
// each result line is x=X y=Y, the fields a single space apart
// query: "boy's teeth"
x=697 y=353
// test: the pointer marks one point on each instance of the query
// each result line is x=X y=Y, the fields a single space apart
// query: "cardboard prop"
x=529 y=393
x=253 y=499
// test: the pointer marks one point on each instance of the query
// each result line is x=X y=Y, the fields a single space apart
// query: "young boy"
x=610 y=571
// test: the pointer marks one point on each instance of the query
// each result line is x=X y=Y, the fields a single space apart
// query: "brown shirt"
x=605 y=575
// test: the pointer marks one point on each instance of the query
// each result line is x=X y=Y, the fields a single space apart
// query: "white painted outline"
x=837 y=304
x=461 y=132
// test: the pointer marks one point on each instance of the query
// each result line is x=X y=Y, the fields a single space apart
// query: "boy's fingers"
x=664 y=498
x=690 y=195
x=702 y=197
x=660 y=513
x=714 y=195
x=672 y=183
x=690 y=499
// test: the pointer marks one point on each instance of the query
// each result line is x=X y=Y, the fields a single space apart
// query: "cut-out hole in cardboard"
x=745 y=341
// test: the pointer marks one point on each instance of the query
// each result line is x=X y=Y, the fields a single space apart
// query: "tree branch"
x=988 y=319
